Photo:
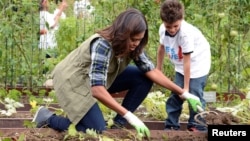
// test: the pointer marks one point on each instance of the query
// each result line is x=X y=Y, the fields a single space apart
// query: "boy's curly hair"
x=171 y=11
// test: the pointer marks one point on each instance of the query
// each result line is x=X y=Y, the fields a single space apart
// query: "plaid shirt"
x=100 y=57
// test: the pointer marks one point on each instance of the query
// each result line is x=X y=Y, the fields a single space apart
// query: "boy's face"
x=172 y=28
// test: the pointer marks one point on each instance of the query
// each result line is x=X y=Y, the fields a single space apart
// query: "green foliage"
x=72 y=130
x=53 y=96
x=107 y=113
x=13 y=94
x=225 y=23
x=73 y=134
x=29 y=124
x=155 y=105
x=21 y=137
x=18 y=40
x=226 y=26
x=67 y=36
x=3 y=93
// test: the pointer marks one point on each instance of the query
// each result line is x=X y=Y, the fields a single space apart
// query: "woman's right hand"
x=193 y=100
x=140 y=127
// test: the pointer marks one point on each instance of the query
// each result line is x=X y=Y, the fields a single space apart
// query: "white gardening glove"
x=193 y=100
x=137 y=124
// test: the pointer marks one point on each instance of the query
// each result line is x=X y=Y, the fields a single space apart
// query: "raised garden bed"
x=17 y=121
x=13 y=128
x=221 y=96
x=27 y=107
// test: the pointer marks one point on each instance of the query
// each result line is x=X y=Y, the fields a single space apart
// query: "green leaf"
x=72 y=130
x=21 y=137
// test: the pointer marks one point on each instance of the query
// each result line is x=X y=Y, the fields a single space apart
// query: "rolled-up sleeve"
x=100 y=56
x=143 y=63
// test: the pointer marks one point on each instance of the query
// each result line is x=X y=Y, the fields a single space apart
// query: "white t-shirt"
x=188 y=39
x=47 y=20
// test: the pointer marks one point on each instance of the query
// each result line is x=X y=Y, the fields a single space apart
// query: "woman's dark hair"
x=171 y=11
x=128 y=24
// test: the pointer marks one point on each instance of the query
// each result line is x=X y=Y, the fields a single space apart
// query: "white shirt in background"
x=46 y=21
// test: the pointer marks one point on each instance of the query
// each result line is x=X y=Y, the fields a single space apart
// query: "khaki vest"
x=71 y=80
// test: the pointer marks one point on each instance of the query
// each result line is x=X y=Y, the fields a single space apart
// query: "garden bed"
x=221 y=96
x=17 y=121
x=47 y=134
x=11 y=130
x=14 y=126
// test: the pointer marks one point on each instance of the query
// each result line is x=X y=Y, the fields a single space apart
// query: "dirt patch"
x=47 y=134
x=216 y=117
x=129 y=134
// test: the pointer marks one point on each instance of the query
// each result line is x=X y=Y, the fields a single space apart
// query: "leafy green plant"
x=21 y=137
x=10 y=106
x=73 y=134
x=155 y=105
x=90 y=134
x=108 y=114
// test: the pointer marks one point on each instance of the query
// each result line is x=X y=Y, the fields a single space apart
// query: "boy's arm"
x=186 y=67
x=160 y=57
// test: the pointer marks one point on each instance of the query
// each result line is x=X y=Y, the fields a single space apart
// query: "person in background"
x=189 y=51
x=101 y=66
x=49 y=23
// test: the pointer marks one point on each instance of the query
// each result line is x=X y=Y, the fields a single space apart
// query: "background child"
x=49 y=23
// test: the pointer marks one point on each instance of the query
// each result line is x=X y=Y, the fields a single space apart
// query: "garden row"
x=17 y=123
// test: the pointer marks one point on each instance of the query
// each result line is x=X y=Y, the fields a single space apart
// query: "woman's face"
x=173 y=28
x=135 y=41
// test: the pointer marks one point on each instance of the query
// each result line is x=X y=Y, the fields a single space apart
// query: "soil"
x=129 y=134
x=11 y=133
x=47 y=134
x=215 y=117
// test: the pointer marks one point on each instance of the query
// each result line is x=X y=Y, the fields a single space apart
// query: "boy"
x=189 y=51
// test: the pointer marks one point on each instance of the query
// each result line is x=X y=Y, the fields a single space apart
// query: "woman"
x=99 y=67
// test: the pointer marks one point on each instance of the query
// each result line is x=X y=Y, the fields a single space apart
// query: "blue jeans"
x=131 y=79
x=92 y=120
x=138 y=86
x=174 y=102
